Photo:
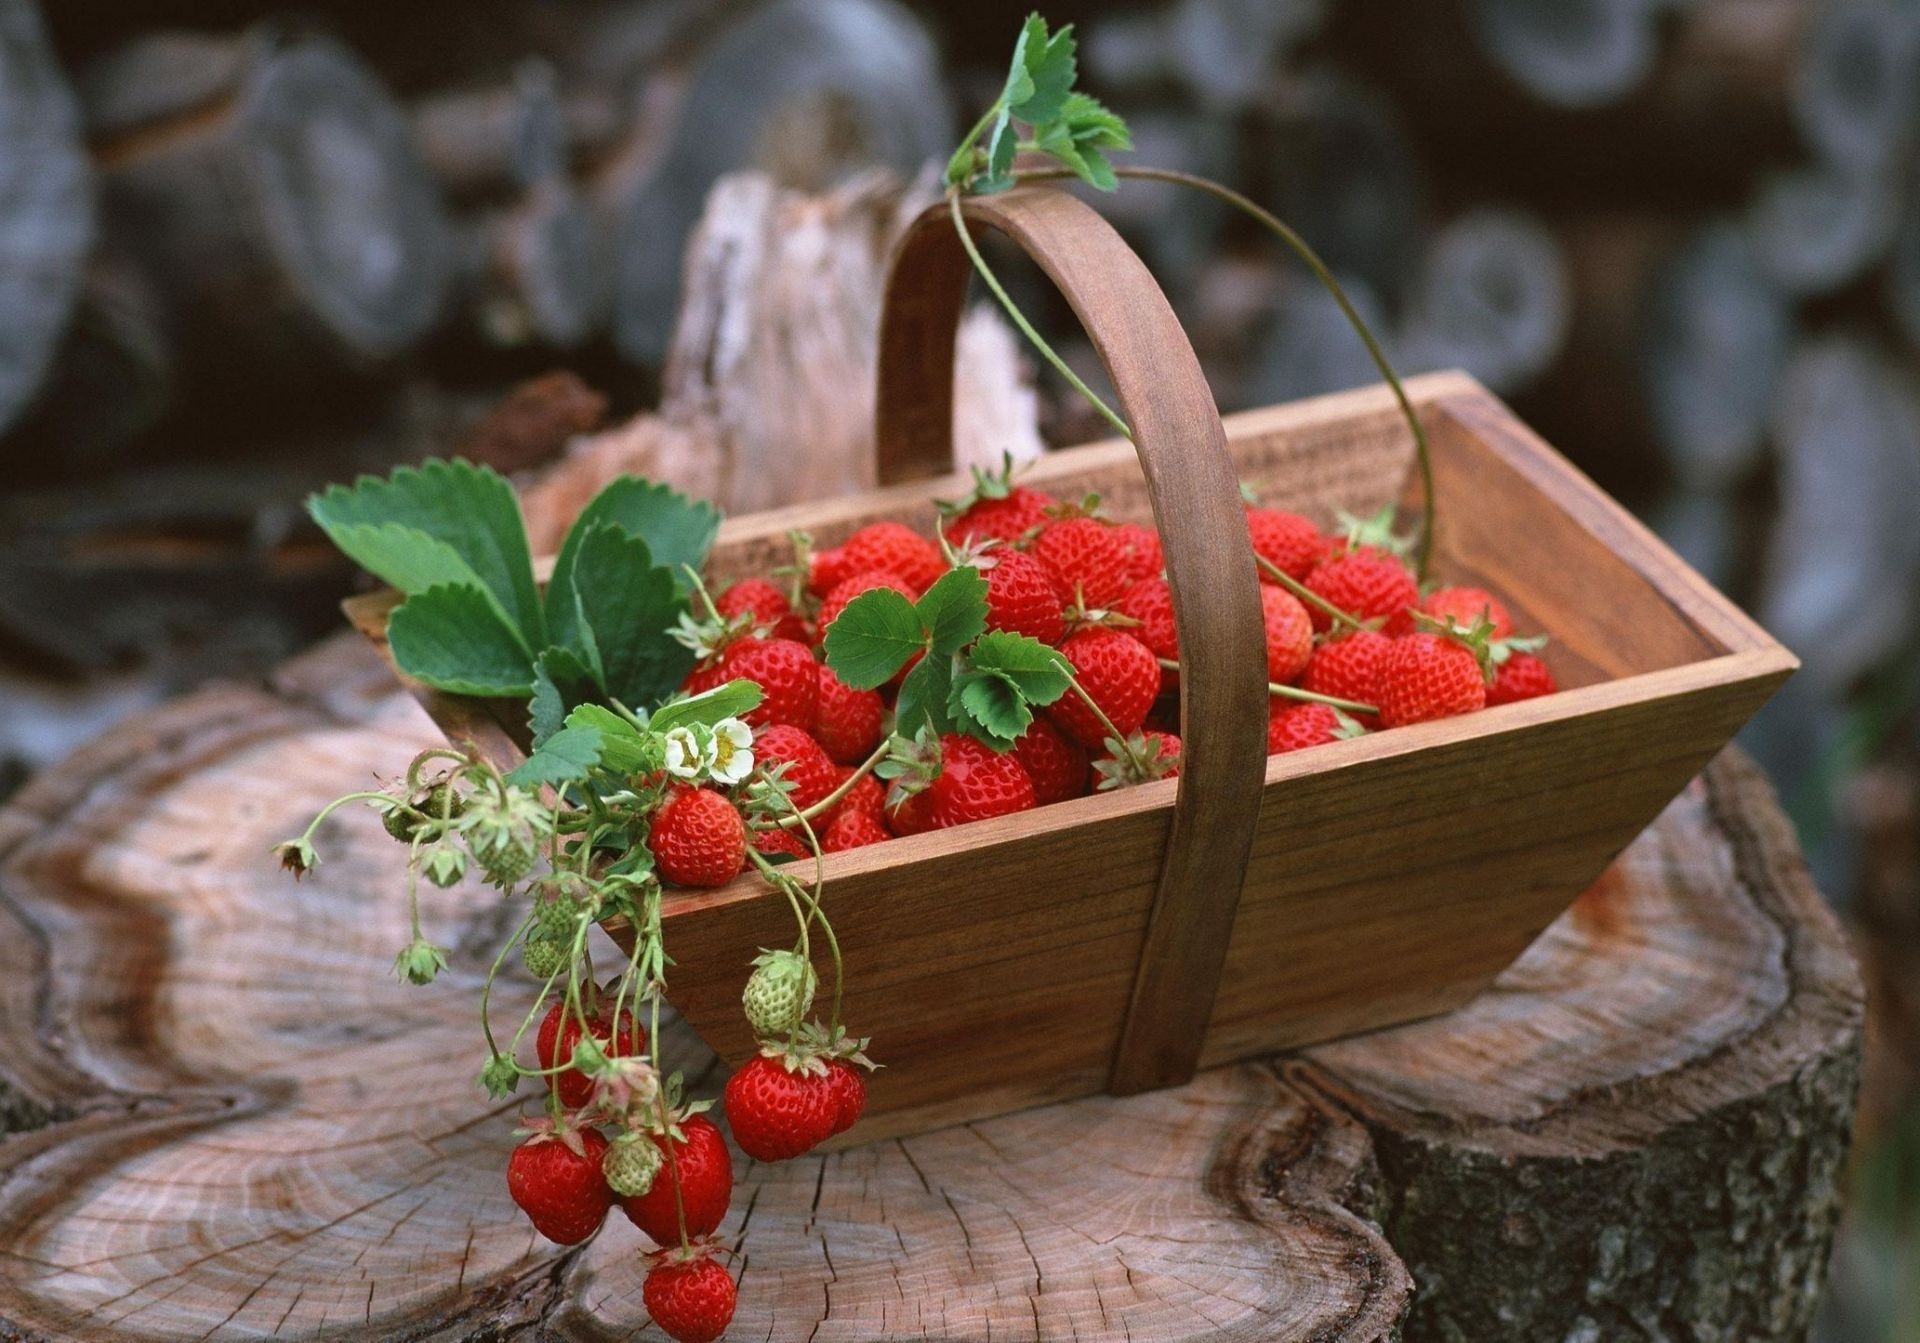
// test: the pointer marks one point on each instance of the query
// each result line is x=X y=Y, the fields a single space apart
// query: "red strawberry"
x=1021 y=596
x=1287 y=541
x=896 y=548
x=853 y=830
x=868 y=794
x=975 y=783
x=788 y=676
x=1055 y=762
x=997 y=509
x=849 y=1089
x=911 y=815
x=826 y=570
x=847 y=721
x=1465 y=607
x=1121 y=675
x=1147 y=755
x=1348 y=667
x=560 y=1032
x=1289 y=633
x=1150 y=601
x=864 y=580
x=767 y=604
x=698 y=839
x=1367 y=583
x=706 y=1185
x=1293 y=725
x=809 y=769
x=1144 y=556
x=1521 y=676
x=778 y=1113
x=559 y=1189
x=691 y=1299
x=1428 y=676
x=1085 y=558
x=777 y=841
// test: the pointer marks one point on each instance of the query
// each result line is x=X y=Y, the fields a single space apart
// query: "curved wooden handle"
x=1203 y=529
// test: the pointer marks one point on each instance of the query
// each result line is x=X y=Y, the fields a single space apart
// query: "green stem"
x=1295 y=692
x=1307 y=594
x=335 y=805
x=831 y=800
x=493 y=973
x=1101 y=713
x=1026 y=328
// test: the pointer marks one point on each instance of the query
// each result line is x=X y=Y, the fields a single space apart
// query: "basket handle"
x=1196 y=505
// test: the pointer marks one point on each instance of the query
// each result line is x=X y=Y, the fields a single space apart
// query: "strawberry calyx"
x=561 y=1128
x=690 y=1251
x=910 y=765
x=1347 y=726
x=797 y=1055
x=1139 y=758
x=837 y=1044
x=1375 y=532
x=1503 y=649
x=1086 y=506
x=1476 y=638
x=987 y=484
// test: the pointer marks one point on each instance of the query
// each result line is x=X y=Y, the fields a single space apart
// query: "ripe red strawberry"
x=560 y=1032
x=911 y=815
x=1055 y=762
x=767 y=604
x=997 y=509
x=853 y=830
x=1121 y=675
x=849 y=1088
x=1021 y=596
x=868 y=794
x=561 y=1190
x=1521 y=676
x=706 y=1185
x=1085 y=558
x=852 y=586
x=1289 y=633
x=895 y=548
x=1150 y=601
x=809 y=769
x=698 y=839
x=1367 y=583
x=1463 y=606
x=778 y=1113
x=777 y=841
x=788 y=676
x=691 y=1299
x=1293 y=725
x=1287 y=541
x=1348 y=667
x=826 y=570
x=1428 y=676
x=975 y=783
x=1144 y=556
x=847 y=721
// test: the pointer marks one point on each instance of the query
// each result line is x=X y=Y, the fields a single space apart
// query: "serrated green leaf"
x=732 y=700
x=567 y=757
x=624 y=748
x=678 y=531
x=1001 y=145
x=468 y=509
x=1044 y=69
x=873 y=637
x=954 y=610
x=1037 y=671
x=1019 y=85
x=990 y=706
x=1096 y=170
x=624 y=605
x=453 y=638
x=561 y=683
x=1091 y=122
x=405 y=556
x=924 y=695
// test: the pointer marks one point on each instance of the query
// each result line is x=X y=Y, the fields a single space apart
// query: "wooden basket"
x=1120 y=941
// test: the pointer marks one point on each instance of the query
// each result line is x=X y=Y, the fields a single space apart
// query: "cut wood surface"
x=226 y=1120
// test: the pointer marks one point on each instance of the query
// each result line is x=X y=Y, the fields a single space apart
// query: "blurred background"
x=246 y=250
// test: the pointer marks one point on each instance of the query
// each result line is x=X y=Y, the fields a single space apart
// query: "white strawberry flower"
x=685 y=756
x=732 y=758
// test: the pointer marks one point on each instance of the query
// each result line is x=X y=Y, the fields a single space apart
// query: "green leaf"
x=1037 y=671
x=624 y=605
x=567 y=757
x=1044 y=69
x=624 y=748
x=454 y=639
x=1093 y=125
x=990 y=706
x=732 y=700
x=1000 y=150
x=873 y=637
x=924 y=695
x=468 y=509
x=561 y=682
x=404 y=556
x=954 y=610
x=677 y=530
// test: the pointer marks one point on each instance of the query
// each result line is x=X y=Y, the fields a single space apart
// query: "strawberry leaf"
x=624 y=748
x=989 y=706
x=954 y=610
x=562 y=681
x=678 y=531
x=924 y=696
x=873 y=637
x=566 y=757
x=623 y=607
x=454 y=638
x=1044 y=69
x=732 y=700
x=1037 y=671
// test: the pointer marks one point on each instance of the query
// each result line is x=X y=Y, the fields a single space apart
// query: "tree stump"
x=225 y=1119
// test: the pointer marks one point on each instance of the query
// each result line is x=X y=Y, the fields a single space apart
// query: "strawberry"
x=1144 y=556
x=849 y=1090
x=895 y=548
x=1427 y=676
x=691 y=1297
x=1150 y=602
x=1021 y=596
x=1143 y=757
x=555 y=1178
x=1366 y=582
x=1121 y=675
x=868 y=794
x=1287 y=541
x=765 y=604
x=847 y=721
x=826 y=570
x=809 y=769
x=788 y=676
x=1293 y=725
x=1085 y=558
x=698 y=839
x=1521 y=676
x=1289 y=633
x=560 y=1033
x=1464 y=607
x=997 y=509
x=1348 y=667
x=779 y=1111
x=909 y=815
x=853 y=830
x=862 y=580
x=975 y=783
x=705 y=1172
x=777 y=841
x=1055 y=762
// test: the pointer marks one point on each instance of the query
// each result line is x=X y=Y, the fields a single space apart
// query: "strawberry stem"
x=1295 y=692
x=1099 y=712
x=831 y=800
x=1307 y=594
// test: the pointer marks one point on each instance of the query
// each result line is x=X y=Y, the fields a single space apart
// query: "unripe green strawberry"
x=401 y=823
x=778 y=993
x=506 y=831
x=631 y=1164
x=545 y=953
